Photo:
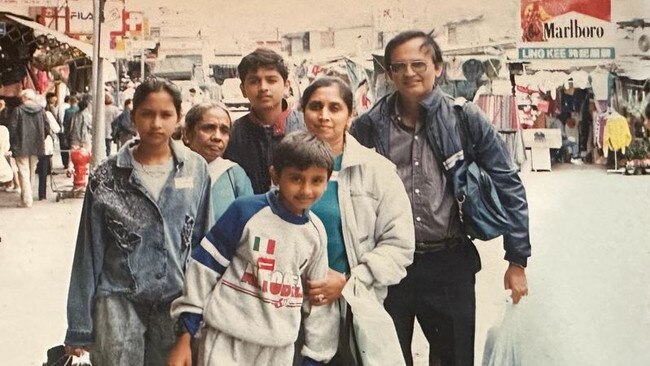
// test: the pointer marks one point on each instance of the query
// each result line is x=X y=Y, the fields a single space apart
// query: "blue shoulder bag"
x=481 y=212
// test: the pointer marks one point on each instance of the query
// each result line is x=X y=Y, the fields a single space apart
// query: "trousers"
x=438 y=291
x=131 y=334
x=218 y=348
x=27 y=173
x=43 y=168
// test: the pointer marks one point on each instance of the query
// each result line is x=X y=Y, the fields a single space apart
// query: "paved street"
x=589 y=296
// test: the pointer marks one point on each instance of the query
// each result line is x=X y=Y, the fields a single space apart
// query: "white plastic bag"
x=503 y=342
x=374 y=330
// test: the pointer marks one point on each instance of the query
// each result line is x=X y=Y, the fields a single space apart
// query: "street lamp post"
x=98 y=149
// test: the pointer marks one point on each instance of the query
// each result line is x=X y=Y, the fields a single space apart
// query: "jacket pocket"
x=364 y=206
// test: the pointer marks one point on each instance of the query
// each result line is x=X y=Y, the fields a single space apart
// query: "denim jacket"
x=372 y=130
x=130 y=244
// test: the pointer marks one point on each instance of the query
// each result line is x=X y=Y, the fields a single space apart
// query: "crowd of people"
x=234 y=244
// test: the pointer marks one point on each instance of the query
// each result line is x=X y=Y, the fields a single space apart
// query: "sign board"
x=81 y=17
x=34 y=2
x=542 y=137
x=560 y=29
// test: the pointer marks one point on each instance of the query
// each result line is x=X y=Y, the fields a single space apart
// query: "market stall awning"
x=40 y=29
x=174 y=68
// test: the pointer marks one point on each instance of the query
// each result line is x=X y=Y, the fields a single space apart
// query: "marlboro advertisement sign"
x=566 y=29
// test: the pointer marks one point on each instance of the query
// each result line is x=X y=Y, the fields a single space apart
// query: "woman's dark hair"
x=302 y=150
x=647 y=111
x=344 y=91
x=429 y=42
x=195 y=114
x=154 y=85
x=262 y=58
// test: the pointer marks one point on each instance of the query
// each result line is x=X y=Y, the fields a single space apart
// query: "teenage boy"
x=245 y=282
x=416 y=128
x=264 y=82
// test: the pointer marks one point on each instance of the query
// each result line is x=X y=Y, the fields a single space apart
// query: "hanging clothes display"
x=616 y=135
x=501 y=111
x=600 y=84
x=515 y=145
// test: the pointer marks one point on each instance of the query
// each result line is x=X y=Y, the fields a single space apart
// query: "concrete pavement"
x=589 y=299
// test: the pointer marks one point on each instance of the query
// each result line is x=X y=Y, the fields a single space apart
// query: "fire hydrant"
x=80 y=158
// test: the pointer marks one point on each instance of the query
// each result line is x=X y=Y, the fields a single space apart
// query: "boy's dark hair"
x=429 y=42
x=127 y=102
x=49 y=95
x=154 y=85
x=302 y=150
x=344 y=91
x=264 y=58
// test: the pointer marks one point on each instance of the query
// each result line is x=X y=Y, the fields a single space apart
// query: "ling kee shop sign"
x=566 y=29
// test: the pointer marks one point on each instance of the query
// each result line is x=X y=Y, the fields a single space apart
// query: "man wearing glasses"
x=416 y=128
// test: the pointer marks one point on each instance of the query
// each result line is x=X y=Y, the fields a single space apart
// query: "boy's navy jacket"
x=373 y=130
x=130 y=244
x=248 y=277
x=251 y=146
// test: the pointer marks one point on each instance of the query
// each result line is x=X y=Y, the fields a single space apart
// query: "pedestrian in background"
x=264 y=81
x=365 y=211
x=207 y=132
x=44 y=166
x=416 y=127
x=28 y=129
x=144 y=209
x=110 y=113
x=64 y=136
x=123 y=127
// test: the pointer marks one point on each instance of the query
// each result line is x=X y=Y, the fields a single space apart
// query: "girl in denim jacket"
x=144 y=209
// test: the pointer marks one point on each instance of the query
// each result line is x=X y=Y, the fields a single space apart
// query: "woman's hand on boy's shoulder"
x=327 y=290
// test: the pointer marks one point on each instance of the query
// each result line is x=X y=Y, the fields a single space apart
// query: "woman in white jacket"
x=365 y=210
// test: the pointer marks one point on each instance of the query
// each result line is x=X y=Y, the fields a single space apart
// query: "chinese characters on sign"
x=567 y=53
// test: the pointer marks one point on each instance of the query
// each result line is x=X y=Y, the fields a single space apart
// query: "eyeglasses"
x=400 y=67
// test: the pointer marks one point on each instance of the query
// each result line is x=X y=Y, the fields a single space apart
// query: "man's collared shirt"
x=435 y=212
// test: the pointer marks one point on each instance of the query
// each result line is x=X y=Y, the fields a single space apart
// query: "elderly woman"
x=207 y=131
x=365 y=209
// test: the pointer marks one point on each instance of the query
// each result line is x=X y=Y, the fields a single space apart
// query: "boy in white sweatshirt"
x=244 y=285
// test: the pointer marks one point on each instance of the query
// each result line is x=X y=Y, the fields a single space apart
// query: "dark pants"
x=108 y=147
x=43 y=170
x=65 y=155
x=438 y=290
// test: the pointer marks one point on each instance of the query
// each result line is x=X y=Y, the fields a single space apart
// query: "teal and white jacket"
x=229 y=181
x=247 y=278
